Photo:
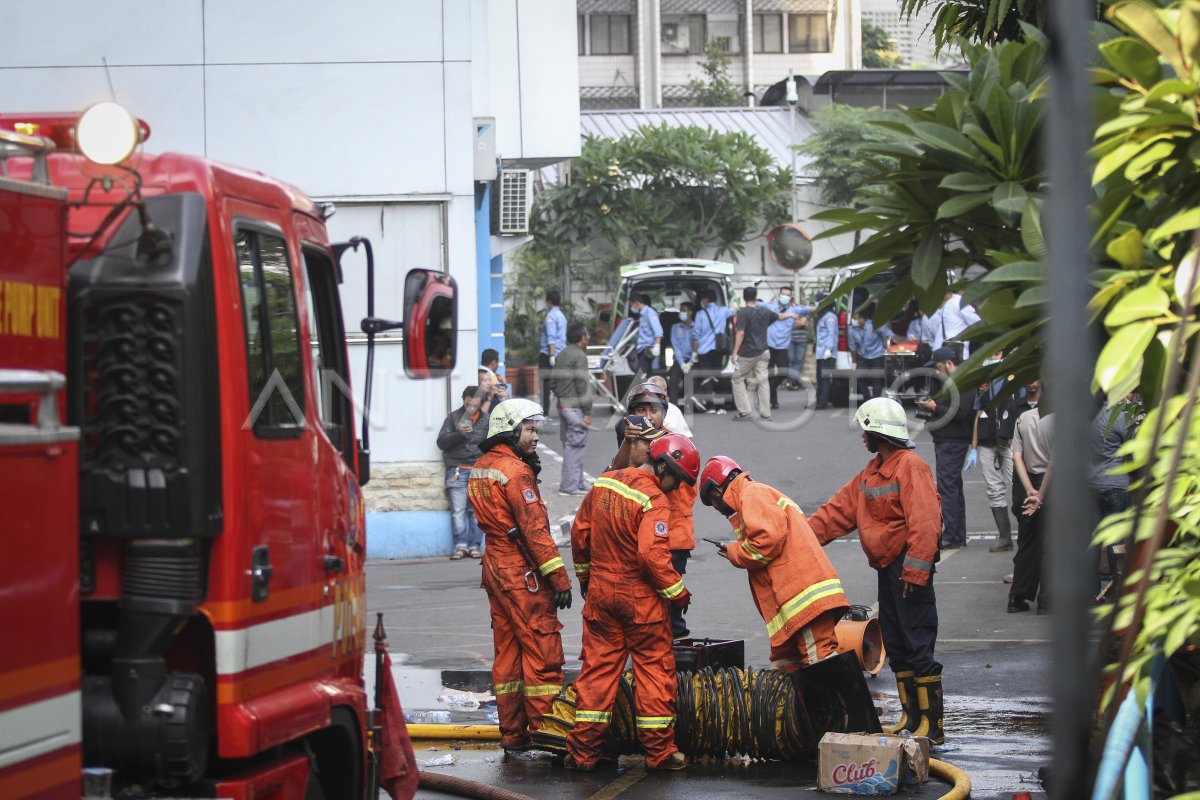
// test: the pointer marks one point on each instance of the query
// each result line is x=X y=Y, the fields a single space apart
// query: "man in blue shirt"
x=554 y=341
x=683 y=341
x=868 y=346
x=779 y=340
x=826 y=352
x=650 y=332
x=711 y=319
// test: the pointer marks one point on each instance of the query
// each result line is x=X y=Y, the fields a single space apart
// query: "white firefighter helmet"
x=509 y=415
x=885 y=417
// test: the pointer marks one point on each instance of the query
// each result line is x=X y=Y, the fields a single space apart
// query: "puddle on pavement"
x=431 y=695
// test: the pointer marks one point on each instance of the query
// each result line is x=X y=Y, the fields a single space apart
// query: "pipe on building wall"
x=656 y=52
x=748 y=52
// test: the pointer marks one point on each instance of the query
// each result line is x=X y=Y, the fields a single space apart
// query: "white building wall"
x=368 y=104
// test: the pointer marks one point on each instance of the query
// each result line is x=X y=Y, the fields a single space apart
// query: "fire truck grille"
x=133 y=417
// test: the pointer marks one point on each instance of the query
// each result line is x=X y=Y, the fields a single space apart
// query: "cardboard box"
x=870 y=763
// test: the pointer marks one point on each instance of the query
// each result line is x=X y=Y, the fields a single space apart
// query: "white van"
x=668 y=282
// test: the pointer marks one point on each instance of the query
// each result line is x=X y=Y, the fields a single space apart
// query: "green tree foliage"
x=960 y=184
x=1147 y=182
x=716 y=89
x=879 y=52
x=968 y=190
x=841 y=164
x=980 y=21
x=659 y=191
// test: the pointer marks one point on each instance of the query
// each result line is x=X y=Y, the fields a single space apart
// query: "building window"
x=725 y=32
x=606 y=35
x=682 y=34
x=768 y=33
x=808 y=33
x=582 y=26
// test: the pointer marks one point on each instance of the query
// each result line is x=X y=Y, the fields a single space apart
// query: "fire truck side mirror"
x=430 y=324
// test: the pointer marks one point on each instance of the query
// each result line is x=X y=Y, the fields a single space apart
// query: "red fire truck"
x=181 y=585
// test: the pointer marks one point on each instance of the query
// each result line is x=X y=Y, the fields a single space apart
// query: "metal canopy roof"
x=770 y=126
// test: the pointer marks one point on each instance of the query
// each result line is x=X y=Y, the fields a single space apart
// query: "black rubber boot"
x=1005 y=527
x=909 y=713
x=929 y=701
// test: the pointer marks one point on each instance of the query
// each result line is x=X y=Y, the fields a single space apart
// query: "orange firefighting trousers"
x=814 y=642
x=527 y=671
x=608 y=638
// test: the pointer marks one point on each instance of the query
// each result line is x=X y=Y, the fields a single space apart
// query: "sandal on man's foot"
x=457 y=554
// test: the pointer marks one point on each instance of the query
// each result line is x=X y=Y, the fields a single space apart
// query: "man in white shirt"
x=957 y=317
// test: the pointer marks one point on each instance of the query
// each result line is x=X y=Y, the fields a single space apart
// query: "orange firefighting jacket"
x=620 y=546
x=895 y=506
x=791 y=577
x=680 y=532
x=503 y=492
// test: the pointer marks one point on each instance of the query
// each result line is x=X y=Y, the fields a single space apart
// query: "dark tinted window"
x=275 y=368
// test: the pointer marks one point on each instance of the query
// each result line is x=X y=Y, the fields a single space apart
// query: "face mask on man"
x=785 y=300
x=683 y=316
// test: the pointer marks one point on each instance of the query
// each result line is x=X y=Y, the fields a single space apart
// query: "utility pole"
x=793 y=99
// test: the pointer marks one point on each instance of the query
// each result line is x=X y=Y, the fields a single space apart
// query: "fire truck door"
x=279 y=445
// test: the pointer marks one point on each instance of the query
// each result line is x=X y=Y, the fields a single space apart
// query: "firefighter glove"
x=682 y=601
x=562 y=599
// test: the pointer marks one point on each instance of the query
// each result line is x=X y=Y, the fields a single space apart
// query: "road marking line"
x=557 y=457
x=997 y=641
x=874 y=610
x=620 y=784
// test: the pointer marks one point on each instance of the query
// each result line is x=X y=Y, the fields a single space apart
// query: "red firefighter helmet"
x=679 y=454
x=718 y=471
x=648 y=393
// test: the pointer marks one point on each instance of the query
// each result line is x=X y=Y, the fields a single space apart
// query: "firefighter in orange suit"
x=796 y=589
x=620 y=546
x=650 y=401
x=523 y=574
x=894 y=504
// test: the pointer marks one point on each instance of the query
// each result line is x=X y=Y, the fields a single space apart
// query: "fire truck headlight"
x=107 y=133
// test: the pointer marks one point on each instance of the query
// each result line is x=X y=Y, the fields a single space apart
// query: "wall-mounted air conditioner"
x=510 y=202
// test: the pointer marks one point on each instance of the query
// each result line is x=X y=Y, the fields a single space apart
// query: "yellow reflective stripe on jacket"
x=625 y=491
x=592 y=716
x=584 y=568
x=551 y=565
x=654 y=722
x=484 y=473
x=754 y=554
x=543 y=690
x=508 y=688
x=818 y=591
x=784 y=502
x=672 y=591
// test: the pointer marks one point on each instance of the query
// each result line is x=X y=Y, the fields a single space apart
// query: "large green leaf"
x=1184 y=221
x=968 y=182
x=1127 y=249
x=960 y=204
x=1142 y=303
x=947 y=139
x=1134 y=58
x=927 y=261
x=1031 y=228
x=1122 y=354
x=1017 y=272
x=1009 y=200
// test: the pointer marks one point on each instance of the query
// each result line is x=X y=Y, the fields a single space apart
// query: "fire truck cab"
x=182 y=588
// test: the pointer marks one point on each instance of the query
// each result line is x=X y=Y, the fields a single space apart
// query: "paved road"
x=996 y=664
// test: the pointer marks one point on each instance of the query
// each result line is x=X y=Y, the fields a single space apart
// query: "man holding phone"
x=795 y=587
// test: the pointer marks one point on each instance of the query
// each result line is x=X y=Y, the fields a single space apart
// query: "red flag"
x=398 y=768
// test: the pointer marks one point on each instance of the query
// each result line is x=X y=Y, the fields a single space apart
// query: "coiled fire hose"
x=723 y=713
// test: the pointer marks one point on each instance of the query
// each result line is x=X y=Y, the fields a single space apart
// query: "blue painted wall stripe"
x=408 y=534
